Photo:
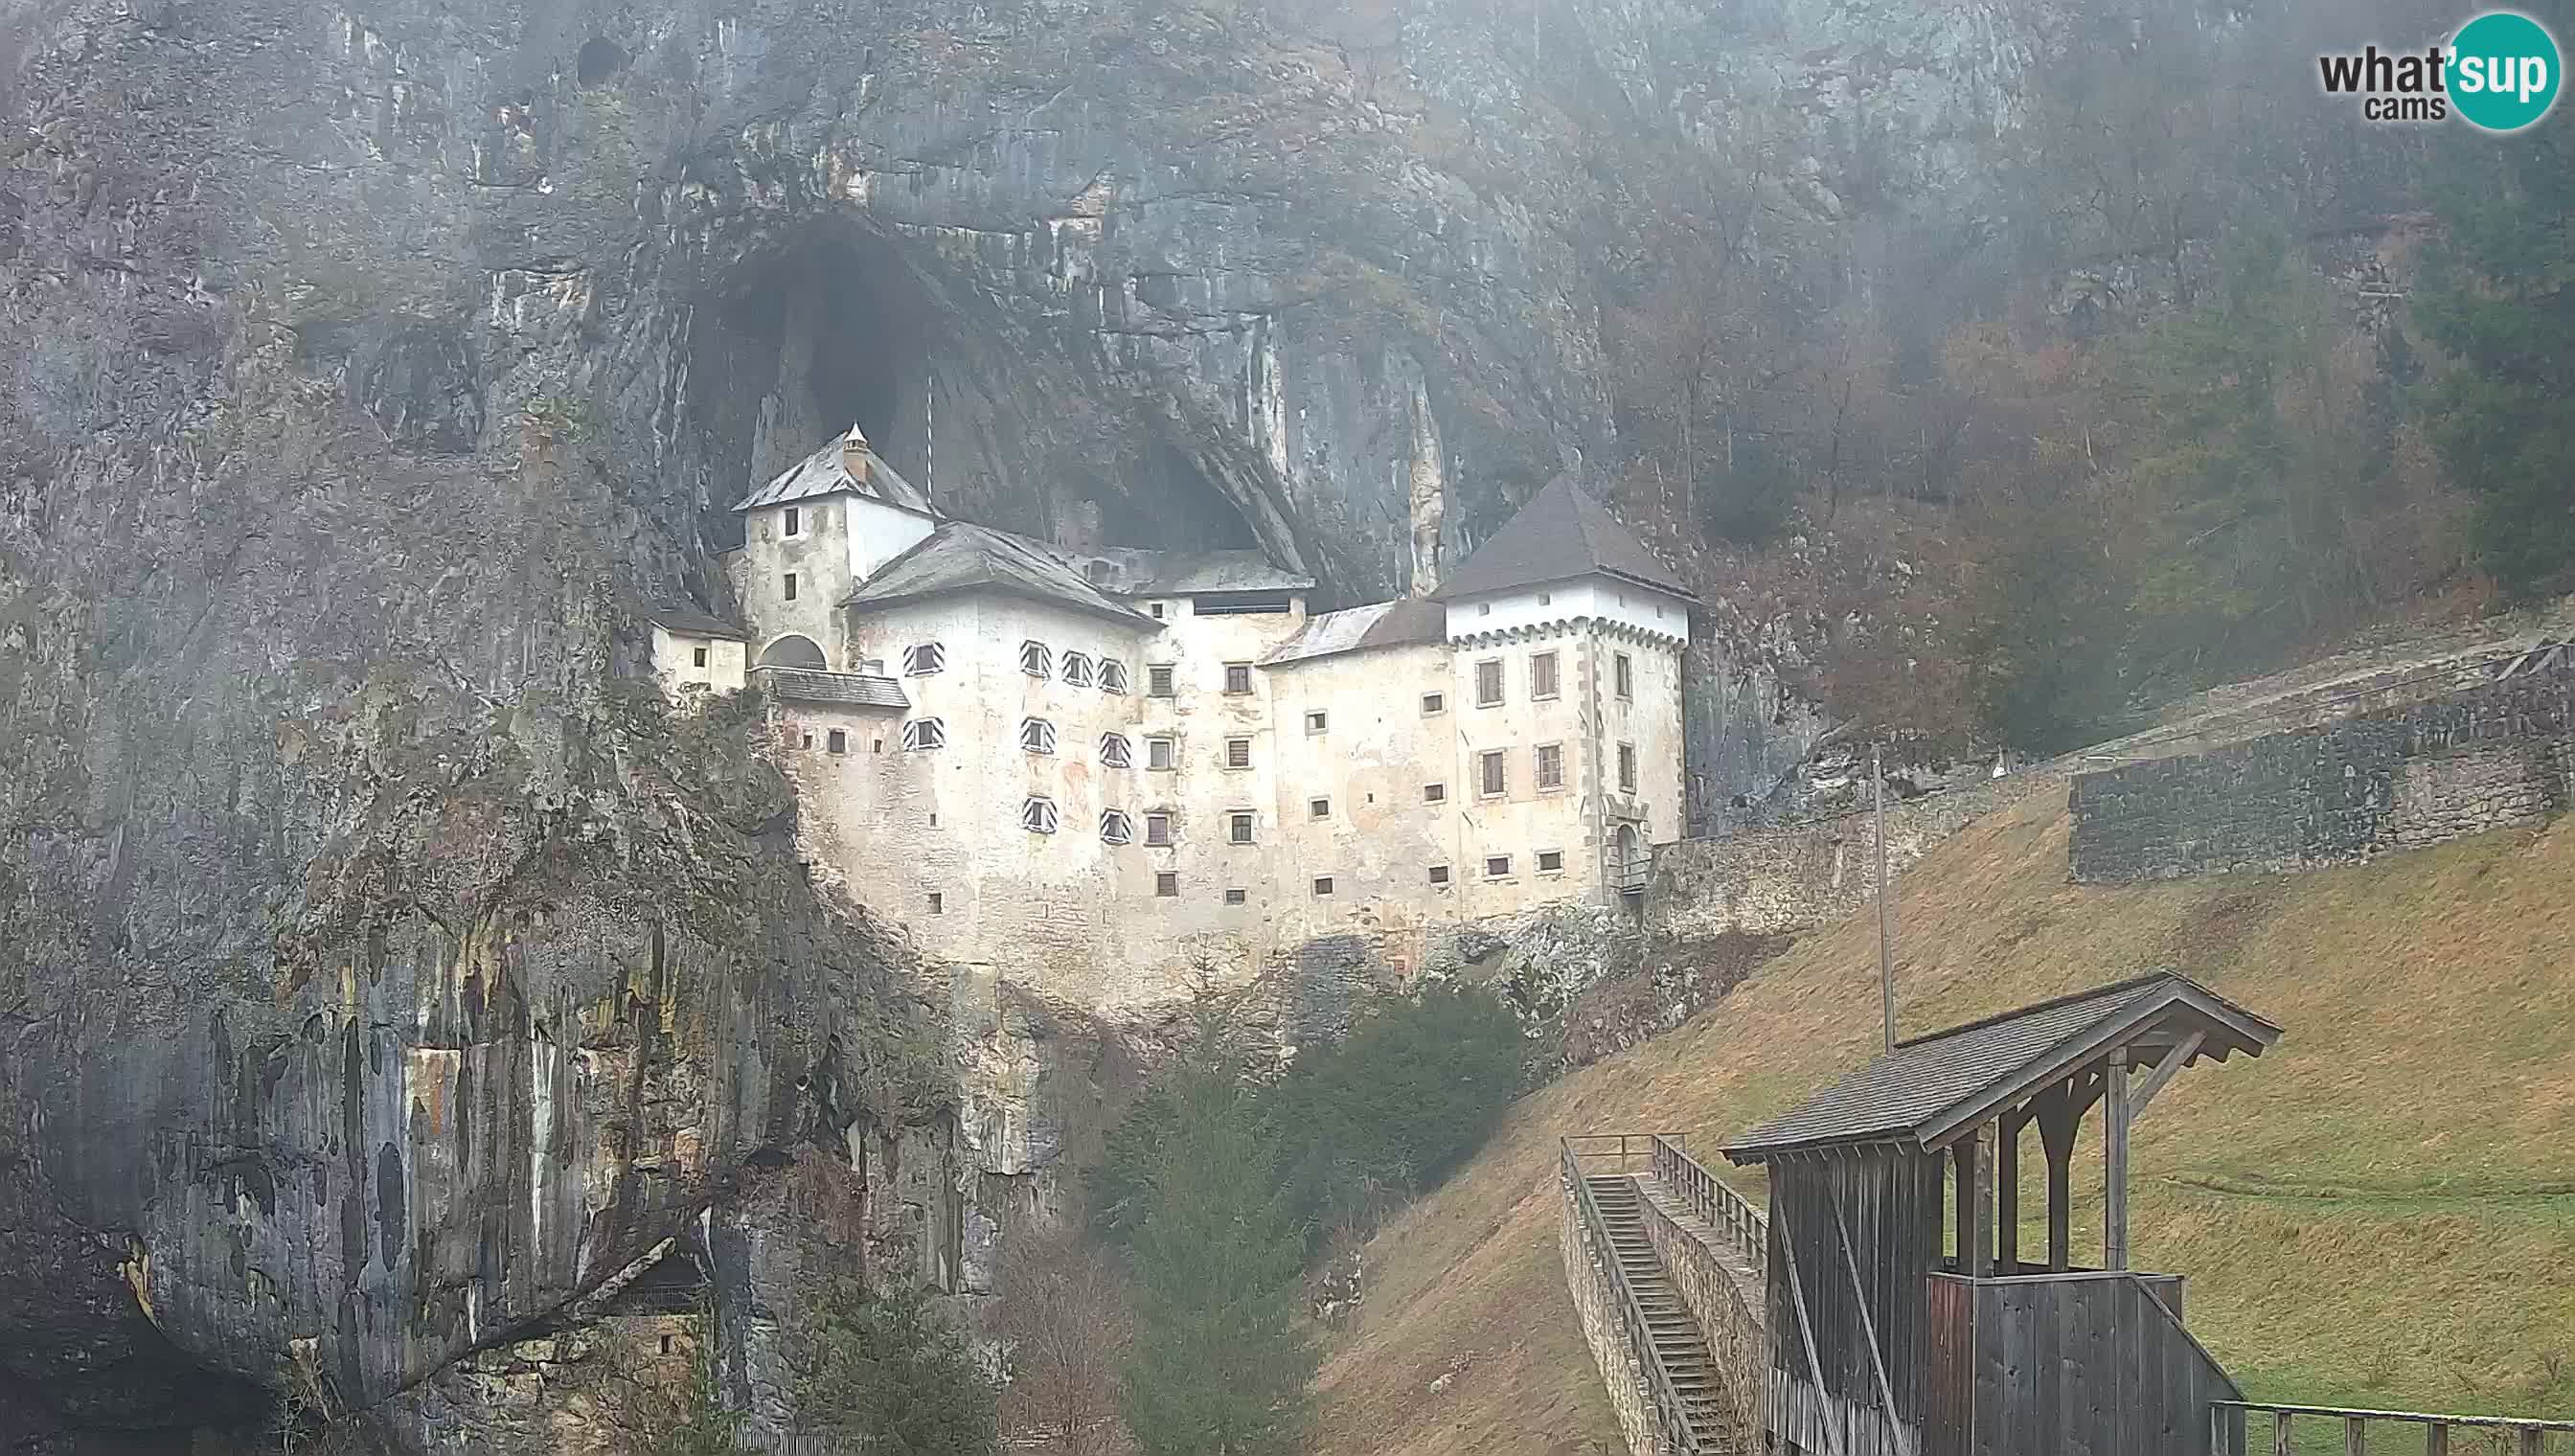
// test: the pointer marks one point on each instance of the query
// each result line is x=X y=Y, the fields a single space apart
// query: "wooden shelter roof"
x=1935 y=1087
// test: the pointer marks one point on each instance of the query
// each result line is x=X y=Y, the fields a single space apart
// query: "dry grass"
x=2379 y=1212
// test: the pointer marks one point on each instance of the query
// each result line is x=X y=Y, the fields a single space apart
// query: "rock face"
x=377 y=971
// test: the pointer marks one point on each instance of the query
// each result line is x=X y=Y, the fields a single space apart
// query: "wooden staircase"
x=1677 y=1343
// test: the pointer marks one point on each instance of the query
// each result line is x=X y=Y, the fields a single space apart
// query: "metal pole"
x=1885 y=923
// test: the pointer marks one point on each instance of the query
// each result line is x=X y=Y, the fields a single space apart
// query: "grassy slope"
x=2365 y=1213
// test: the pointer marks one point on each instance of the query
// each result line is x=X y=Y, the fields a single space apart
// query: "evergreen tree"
x=2500 y=299
x=890 y=1379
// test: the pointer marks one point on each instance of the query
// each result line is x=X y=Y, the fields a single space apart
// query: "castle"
x=1110 y=768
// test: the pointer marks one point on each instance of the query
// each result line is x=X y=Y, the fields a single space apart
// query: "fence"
x=1746 y=1227
x=2503 y=1435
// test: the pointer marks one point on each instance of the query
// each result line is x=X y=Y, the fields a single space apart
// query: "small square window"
x=938 y=903
x=1547 y=764
x=1237 y=826
x=1622 y=673
x=795 y=522
x=1433 y=703
x=1077 y=669
x=1626 y=768
x=666 y=1344
x=1318 y=809
x=1116 y=752
x=1037 y=815
x=1439 y=874
x=1115 y=828
x=1542 y=675
x=1314 y=722
x=1157 y=680
x=1113 y=676
x=921 y=659
x=925 y=733
x=876 y=746
x=1167 y=884
x=838 y=742
x=1551 y=862
x=1237 y=752
x=1322 y=884
x=1434 y=794
x=1235 y=896
x=1037 y=736
x=1162 y=753
x=1494 y=778
x=1488 y=683
x=1237 y=678
x=1546 y=598
x=697 y=656
x=1036 y=658
x=1156 y=610
x=791 y=586
x=1158 y=828
x=804 y=741
x=934 y=822
x=1497 y=866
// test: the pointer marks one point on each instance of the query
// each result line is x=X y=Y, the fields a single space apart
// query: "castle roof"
x=1137 y=572
x=826 y=473
x=690 y=622
x=1562 y=533
x=963 y=556
x=1401 y=623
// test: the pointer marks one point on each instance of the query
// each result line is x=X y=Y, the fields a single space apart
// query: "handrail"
x=1713 y=1199
x=1672 y=1416
x=2532 y=1434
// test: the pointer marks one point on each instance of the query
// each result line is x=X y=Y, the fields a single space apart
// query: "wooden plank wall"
x=1889 y=1203
x=2093 y=1365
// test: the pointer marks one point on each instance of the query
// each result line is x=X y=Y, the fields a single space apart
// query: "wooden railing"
x=1746 y=1227
x=2505 y=1435
x=1670 y=1417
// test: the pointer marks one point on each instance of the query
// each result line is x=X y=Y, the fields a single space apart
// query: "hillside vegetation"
x=2379 y=1212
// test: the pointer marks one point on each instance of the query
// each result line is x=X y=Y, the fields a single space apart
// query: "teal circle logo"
x=2503 y=71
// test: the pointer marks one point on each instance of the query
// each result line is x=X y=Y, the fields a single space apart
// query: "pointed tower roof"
x=846 y=464
x=1562 y=533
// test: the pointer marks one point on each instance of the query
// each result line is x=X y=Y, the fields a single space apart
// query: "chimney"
x=854 y=453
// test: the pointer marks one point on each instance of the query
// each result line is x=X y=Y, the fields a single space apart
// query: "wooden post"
x=2280 y=1433
x=2114 y=1159
x=1990 y=1140
x=2058 y=1116
x=2355 y=1436
x=2007 y=1196
x=1971 y=1230
x=2436 y=1440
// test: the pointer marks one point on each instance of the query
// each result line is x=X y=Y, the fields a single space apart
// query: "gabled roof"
x=826 y=473
x=1562 y=533
x=690 y=622
x=1931 y=1088
x=848 y=690
x=1135 y=571
x=963 y=556
x=1359 y=629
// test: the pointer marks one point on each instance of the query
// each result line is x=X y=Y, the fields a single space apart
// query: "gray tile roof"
x=1562 y=533
x=1359 y=629
x=824 y=472
x=1135 y=571
x=690 y=622
x=848 y=690
x=963 y=556
x=1930 y=1084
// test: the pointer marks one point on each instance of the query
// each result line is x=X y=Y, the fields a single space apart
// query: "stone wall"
x=1725 y=1302
x=1595 y=1302
x=2488 y=758
x=1790 y=879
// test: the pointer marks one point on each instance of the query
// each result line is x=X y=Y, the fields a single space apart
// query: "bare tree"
x=1066 y=1328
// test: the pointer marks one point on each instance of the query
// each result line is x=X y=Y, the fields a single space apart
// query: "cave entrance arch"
x=793 y=650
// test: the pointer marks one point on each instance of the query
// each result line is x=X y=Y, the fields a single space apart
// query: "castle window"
x=1076 y=670
x=1237 y=678
x=876 y=746
x=1626 y=768
x=804 y=741
x=1113 y=676
x=1162 y=753
x=1236 y=897
x=1493 y=780
x=1115 y=752
x=1488 y=683
x=1157 y=680
x=1622 y=673
x=1037 y=815
x=1115 y=828
x=1036 y=658
x=1551 y=862
x=1157 y=611
x=1542 y=675
x=1237 y=826
x=1433 y=703
x=666 y=1344
x=1158 y=828
x=1167 y=884
x=1546 y=598
x=1497 y=866
x=838 y=742
x=1434 y=794
x=1318 y=809
x=1439 y=874
x=1322 y=884
x=795 y=522
x=1037 y=736
x=697 y=656
x=1237 y=752
x=791 y=586
x=938 y=903
x=921 y=659
x=1315 y=722
x=925 y=733
x=1547 y=765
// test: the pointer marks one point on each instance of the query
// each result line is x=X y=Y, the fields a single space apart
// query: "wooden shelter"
x=1882 y=1342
